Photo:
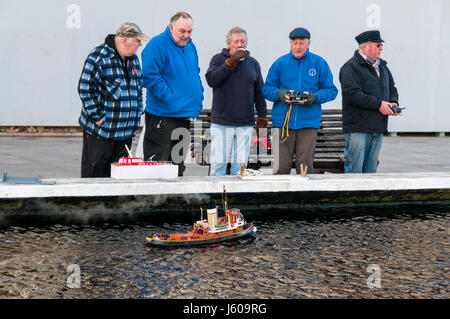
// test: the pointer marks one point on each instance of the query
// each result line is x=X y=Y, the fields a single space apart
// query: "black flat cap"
x=369 y=36
x=301 y=33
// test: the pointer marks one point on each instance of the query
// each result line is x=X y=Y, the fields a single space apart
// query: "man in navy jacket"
x=368 y=93
x=236 y=81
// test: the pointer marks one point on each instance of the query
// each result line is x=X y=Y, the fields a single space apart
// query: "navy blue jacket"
x=362 y=94
x=236 y=91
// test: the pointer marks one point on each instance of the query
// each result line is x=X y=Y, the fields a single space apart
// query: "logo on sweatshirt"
x=312 y=72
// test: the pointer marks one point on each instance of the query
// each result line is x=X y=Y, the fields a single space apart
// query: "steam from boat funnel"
x=212 y=204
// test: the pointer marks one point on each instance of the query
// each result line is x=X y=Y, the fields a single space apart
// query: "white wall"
x=42 y=50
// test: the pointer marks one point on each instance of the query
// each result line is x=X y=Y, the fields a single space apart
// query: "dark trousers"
x=166 y=139
x=301 y=142
x=98 y=155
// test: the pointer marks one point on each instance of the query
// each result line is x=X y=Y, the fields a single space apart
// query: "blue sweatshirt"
x=236 y=91
x=172 y=77
x=310 y=73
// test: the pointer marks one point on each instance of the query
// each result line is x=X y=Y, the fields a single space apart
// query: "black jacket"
x=362 y=94
x=236 y=91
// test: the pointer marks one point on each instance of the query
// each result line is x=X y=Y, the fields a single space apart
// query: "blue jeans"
x=229 y=144
x=361 y=152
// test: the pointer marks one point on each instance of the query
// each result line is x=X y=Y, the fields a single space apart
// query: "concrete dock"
x=412 y=170
x=60 y=157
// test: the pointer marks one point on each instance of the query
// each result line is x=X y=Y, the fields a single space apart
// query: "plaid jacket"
x=104 y=93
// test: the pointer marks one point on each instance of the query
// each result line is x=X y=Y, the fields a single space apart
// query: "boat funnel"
x=212 y=214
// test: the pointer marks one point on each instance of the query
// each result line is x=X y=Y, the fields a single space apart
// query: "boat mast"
x=224 y=202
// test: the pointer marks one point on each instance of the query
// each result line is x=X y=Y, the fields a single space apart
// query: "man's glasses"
x=378 y=45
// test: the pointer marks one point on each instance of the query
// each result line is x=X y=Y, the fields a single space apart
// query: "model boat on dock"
x=211 y=231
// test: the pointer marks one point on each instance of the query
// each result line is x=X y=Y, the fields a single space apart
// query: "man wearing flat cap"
x=110 y=88
x=296 y=122
x=368 y=93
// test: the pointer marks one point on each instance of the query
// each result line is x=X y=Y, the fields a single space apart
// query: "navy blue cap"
x=301 y=33
x=369 y=36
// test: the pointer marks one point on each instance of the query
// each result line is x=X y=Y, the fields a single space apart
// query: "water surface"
x=296 y=254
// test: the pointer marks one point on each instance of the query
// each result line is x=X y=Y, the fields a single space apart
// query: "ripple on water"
x=291 y=257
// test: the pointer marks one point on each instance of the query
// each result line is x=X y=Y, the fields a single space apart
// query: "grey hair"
x=236 y=30
x=179 y=15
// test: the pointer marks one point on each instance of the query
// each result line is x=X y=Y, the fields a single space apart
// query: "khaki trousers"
x=301 y=143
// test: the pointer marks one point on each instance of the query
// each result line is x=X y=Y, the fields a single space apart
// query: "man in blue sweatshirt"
x=236 y=81
x=296 y=122
x=174 y=91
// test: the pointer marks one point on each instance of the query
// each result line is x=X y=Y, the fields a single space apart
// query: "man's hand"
x=99 y=122
x=261 y=123
x=282 y=95
x=312 y=99
x=385 y=108
x=239 y=54
x=235 y=57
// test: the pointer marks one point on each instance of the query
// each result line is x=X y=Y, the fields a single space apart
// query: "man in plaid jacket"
x=110 y=89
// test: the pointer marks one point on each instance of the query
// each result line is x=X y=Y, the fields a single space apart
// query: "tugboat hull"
x=249 y=231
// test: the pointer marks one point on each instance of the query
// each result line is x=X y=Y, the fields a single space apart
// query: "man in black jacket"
x=368 y=93
x=236 y=81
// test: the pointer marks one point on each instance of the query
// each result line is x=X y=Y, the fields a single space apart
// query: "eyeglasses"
x=377 y=44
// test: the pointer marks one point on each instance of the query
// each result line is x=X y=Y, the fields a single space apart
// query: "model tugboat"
x=211 y=231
